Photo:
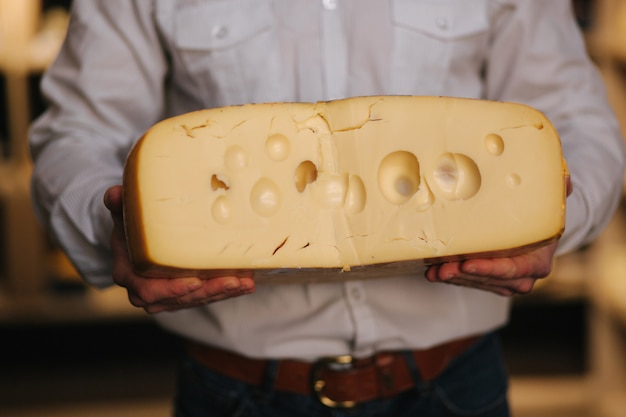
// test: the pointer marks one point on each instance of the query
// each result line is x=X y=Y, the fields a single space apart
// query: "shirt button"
x=220 y=32
x=356 y=294
x=442 y=23
x=329 y=4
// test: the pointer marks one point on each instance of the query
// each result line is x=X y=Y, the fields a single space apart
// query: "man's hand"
x=155 y=295
x=505 y=276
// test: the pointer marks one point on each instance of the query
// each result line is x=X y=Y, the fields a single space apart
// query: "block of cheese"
x=356 y=188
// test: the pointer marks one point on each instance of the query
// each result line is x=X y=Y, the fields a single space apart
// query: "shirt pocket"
x=230 y=50
x=440 y=46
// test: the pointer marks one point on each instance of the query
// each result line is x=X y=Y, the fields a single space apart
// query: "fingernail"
x=247 y=286
x=447 y=276
x=233 y=284
x=194 y=285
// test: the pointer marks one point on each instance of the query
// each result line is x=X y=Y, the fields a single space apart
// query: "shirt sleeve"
x=538 y=57
x=111 y=57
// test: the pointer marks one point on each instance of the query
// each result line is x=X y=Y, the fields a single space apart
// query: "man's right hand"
x=155 y=295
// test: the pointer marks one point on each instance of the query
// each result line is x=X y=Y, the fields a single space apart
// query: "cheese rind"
x=371 y=186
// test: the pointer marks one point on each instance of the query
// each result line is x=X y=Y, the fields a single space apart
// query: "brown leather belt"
x=340 y=381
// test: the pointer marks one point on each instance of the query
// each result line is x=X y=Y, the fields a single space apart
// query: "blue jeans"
x=474 y=384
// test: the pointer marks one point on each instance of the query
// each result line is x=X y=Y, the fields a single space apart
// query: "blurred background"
x=69 y=350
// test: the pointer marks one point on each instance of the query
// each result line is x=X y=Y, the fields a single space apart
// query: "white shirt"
x=128 y=64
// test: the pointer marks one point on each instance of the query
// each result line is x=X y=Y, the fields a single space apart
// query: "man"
x=415 y=346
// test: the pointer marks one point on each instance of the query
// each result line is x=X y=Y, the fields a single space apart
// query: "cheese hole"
x=265 y=197
x=513 y=180
x=331 y=190
x=457 y=176
x=221 y=210
x=306 y=173
x=356 y=195
x=494 y=144
x=218 y=184
x=277 y=147
x=236 y=158
x=398 y=176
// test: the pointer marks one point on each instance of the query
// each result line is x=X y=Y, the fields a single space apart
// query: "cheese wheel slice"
x=366 y=186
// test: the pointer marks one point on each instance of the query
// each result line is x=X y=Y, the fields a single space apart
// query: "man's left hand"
x=504 y=276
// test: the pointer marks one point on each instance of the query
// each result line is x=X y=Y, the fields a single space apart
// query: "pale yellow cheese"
x=368 y=186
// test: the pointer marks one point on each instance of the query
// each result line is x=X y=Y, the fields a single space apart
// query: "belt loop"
x=421 y=386
x=265 y=390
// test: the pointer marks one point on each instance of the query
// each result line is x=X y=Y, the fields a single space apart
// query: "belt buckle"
x=318 y=383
